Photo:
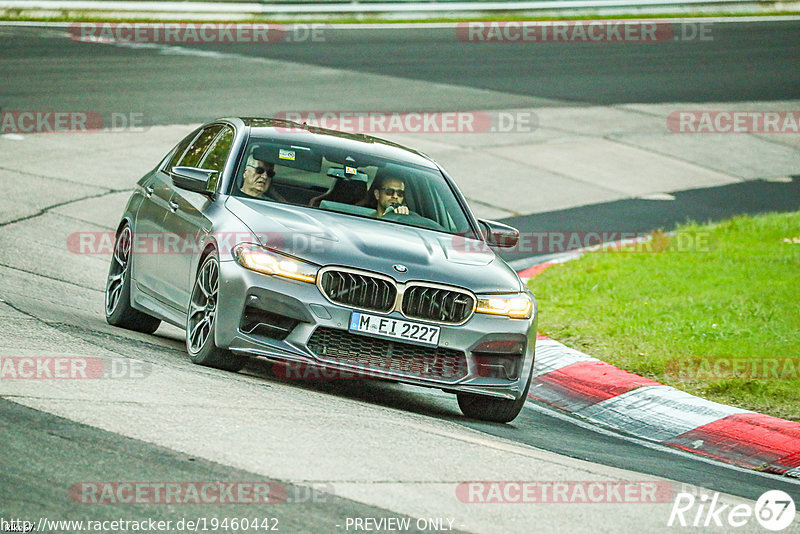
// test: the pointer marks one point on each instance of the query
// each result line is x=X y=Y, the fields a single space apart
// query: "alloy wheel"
x=119 y=270
x=203 y=306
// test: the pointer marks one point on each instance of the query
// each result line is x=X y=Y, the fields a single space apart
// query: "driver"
x=258 y=176
x=390 y=193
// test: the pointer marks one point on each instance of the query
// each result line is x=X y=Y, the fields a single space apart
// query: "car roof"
x=299 y=133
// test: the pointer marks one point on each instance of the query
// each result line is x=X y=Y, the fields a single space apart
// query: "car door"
x=187 y=221
x=149 y=230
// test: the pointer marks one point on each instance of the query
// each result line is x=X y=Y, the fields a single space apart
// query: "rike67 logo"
x=774 y=510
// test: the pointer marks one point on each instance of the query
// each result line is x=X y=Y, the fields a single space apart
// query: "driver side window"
x=180 y=150
x=193 y=155
x=217 y=156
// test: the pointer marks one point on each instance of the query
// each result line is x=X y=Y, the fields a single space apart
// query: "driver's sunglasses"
x=262 y=170
x=391 y=191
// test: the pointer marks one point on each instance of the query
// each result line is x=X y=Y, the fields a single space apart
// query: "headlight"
x=516 y=305
x=261 y=260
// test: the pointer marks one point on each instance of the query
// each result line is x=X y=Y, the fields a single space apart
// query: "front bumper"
x=293 y=311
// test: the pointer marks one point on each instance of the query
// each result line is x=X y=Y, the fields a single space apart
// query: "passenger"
x=258 y=177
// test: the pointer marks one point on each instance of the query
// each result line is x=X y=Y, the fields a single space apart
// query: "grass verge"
x=713 y=310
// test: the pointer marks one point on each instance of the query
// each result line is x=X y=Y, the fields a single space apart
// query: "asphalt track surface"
x=741 y=62
x=744 y=62
x=66 y=452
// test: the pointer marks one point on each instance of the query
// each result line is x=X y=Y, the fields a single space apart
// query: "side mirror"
x=192 y=178
x=499 y=234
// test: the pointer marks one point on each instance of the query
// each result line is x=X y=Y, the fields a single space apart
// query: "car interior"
x=344 y=182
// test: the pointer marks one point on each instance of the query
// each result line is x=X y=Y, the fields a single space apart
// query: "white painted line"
x=658 y=413
x=552 y=355
x=446 y=25
x=354 y=7
x=657 y=196
x=623 y=22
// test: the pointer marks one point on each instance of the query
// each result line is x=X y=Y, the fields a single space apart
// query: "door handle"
x=173 y=206
x=148 y=191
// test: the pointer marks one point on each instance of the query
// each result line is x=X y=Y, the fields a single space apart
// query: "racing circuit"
x=599 y=155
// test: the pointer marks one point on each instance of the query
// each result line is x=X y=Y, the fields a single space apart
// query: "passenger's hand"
x=402 y=210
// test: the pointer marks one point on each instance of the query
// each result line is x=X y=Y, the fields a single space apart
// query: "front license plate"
x=403 y=330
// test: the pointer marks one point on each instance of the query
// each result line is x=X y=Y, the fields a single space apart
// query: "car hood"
x=328 y=238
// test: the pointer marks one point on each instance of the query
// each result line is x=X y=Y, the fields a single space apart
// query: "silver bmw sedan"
x=327 y=250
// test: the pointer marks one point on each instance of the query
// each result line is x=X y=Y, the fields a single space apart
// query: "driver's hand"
x=402 y=210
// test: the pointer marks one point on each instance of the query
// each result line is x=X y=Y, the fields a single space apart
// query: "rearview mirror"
x=287 y=155
x=342 y=174
x=499 y=234
x=192 y=178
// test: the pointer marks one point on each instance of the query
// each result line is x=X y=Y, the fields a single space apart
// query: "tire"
x=118 y=289
x=200 y=321
x=490 y=408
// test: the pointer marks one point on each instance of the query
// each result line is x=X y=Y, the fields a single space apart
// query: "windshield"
x=356 y=184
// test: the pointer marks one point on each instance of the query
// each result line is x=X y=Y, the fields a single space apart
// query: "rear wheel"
x=118 y=289
x=201 y=321
x=490 y=408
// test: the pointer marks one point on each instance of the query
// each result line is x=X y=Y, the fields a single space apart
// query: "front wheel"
x=490 y=408
x=201 y=320
x=119 y=311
